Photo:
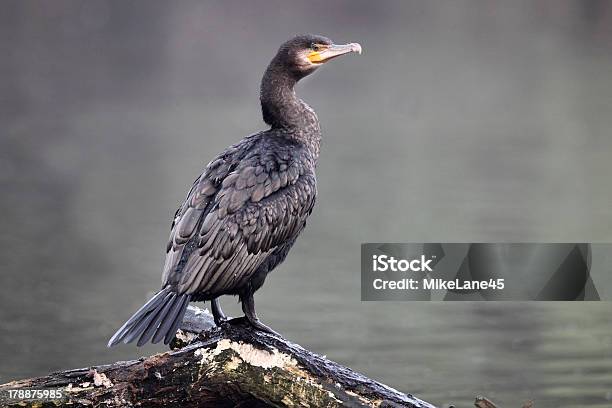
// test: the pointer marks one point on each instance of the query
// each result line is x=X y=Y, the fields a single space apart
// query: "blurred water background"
x=463 y=121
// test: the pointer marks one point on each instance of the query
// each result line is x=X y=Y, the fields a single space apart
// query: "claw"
x=257 y=324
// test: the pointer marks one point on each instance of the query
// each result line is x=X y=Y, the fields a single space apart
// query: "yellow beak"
x=333 y=51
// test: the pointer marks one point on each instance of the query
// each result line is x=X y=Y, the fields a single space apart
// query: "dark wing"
x=198 y=202
x=227 y=228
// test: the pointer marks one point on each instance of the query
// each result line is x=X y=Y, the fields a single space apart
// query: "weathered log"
x=215 y=367
x=483 y=402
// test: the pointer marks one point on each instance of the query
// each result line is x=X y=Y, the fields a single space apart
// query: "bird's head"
x=303 y=54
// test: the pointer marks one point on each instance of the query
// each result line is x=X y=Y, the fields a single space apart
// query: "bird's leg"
x=217 y=313
x=248 y=307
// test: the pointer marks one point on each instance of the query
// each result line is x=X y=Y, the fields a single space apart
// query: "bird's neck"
x=283 y=110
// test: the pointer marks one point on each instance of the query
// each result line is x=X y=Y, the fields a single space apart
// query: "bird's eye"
x=316 y=47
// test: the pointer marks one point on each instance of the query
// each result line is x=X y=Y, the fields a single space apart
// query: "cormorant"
x=243 y=214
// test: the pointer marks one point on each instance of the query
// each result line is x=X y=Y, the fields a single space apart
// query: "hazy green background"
x=462 y=121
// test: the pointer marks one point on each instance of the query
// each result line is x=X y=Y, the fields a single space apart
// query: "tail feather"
x=141 y=325
x=169 y=319
x=161 y=316
x=147 y=307
x=177 y=319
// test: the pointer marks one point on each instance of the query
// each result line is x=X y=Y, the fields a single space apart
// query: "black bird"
x=243 y=214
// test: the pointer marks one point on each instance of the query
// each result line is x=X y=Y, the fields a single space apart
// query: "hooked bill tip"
x=356 y=47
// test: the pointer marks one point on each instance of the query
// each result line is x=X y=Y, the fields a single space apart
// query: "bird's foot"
x=258 y=325
x=221 y=321
x=218 y=316
x=236 y=321
x=255 y=323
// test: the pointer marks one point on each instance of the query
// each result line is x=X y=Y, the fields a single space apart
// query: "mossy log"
x=208 y=366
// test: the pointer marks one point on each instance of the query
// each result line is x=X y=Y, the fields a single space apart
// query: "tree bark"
x=215 y=367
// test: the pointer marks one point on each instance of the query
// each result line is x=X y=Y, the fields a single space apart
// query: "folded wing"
x=236 y=214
